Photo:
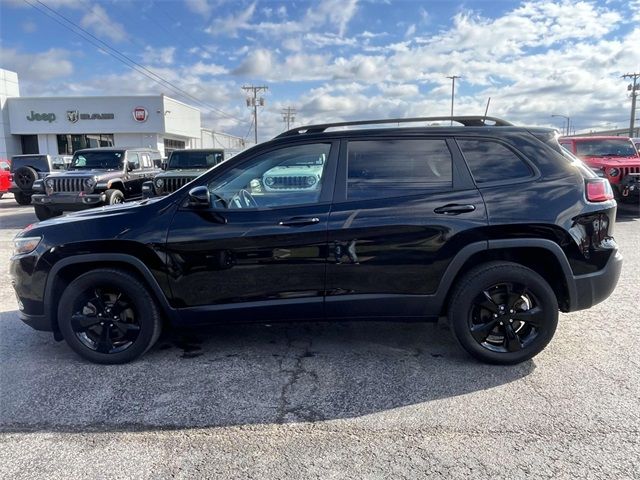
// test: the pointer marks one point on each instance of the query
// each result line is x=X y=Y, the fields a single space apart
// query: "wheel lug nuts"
x=501 y=323
x=495 y=315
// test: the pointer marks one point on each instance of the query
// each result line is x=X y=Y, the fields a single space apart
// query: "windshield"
x=97 y=160
x=606 y=148
x=195 y=159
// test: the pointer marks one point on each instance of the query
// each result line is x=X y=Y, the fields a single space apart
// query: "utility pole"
x=453 y=92
x=255 y=102
x=634 y=88
x=568 y=119
x=289 y=116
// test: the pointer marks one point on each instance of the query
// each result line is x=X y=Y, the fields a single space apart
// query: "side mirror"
x=199 y=197
x=129 y=167
x=163 y=165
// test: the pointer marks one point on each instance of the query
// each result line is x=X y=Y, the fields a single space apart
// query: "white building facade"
x=62 y=125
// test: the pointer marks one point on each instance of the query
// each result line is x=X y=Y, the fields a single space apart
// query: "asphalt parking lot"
x=357 y=400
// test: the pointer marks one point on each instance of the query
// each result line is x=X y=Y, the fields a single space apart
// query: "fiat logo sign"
x=140 y=114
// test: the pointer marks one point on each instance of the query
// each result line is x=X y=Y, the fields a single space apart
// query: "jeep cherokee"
x=488 y=224
x=95 y=176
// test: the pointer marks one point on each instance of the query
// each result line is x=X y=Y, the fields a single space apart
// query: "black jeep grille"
x=627 y=170
x=174 y=183
x=67 y=184
x=298 y=181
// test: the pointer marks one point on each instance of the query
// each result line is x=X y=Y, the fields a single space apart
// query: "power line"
x=122 y=57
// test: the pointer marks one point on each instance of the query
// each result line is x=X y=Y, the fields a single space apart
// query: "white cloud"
x=99 y=21
x=37 y=67
x=200 y=7
x=232 y=23
x=159 y=56
x=411 y=30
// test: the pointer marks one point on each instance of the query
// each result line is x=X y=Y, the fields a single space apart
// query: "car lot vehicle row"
x=486 y=223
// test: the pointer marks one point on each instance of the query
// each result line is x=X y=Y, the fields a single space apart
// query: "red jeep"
x=5 y=177
x=614 y=158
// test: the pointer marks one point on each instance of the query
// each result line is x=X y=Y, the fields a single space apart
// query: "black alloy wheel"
x=109 y=316
x=503 y=312
x=25 y=177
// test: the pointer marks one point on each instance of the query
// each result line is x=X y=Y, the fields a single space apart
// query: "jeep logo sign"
x=140 y=114
x=42 y=117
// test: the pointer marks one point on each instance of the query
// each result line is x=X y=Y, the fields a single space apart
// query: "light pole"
x=453 y=92
x=634 y=88
x=568 y=119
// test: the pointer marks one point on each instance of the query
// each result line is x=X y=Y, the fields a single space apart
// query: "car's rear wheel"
x=22 y=198
x=503 y=313
x=44 y=213
x=114 y=197
x=109 y=316
x=24 y=177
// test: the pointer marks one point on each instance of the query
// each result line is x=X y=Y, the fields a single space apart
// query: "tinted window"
x=283 y=177
x=195 y=159
x=492 y=162
x=393 y=168
x=99 y=160
x=39 y=162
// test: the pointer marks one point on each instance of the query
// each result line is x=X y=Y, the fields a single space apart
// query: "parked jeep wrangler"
x=27 y=169
x=182 y=167
x=96 y=176
x=613 y=158
x=493 y=226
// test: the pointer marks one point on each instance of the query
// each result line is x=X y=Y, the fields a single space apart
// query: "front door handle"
x=299 y=221
x=454 y=209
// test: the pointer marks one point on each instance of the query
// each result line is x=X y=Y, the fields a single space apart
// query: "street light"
x=568 y=119
x=453 y=92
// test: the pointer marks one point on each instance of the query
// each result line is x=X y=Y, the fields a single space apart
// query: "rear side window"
x=393 y=168
x=493 y=162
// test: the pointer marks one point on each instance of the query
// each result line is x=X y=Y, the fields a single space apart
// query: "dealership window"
x=29 y=144
x=170 y=145
x=68 y=144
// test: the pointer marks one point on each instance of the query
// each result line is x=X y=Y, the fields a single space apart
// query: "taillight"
x=598 y=190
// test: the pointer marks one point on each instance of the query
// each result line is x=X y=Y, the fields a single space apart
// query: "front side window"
x=392 y=168
x=491 y=161
x=285 y=177
x=97 y=160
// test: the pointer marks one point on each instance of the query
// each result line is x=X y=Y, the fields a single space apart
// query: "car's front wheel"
x=44 y=213
x=114 y=197
x=503 y=312
x=109 y=316
x=22 y=198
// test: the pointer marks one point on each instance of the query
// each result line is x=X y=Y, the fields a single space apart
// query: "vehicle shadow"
x=236 y=375
x=628 y=211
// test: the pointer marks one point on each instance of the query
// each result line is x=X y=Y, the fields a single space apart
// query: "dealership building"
x=62 y=125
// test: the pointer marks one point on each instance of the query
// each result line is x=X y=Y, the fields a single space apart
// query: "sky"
x=335 y=60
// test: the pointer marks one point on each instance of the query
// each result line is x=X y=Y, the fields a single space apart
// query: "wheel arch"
x=543 y=256
x=67 y=269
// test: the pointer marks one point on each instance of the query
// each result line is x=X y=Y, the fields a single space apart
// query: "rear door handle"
x=299 y=221
x=454 y=209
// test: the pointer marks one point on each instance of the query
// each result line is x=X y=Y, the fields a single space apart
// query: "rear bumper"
x=593 y=288
x=69 y=201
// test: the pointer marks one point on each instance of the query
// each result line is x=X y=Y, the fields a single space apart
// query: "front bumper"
x=594 y=288
x=69 y=201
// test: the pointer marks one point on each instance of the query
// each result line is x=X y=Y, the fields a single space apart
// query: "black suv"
x=95 y=176
x=182 y=167
x=27 y=169
x=488 y=224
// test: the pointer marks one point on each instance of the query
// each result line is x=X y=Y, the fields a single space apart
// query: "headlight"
x=311 y=181
x=614 y=172
x=49 y=182
x=23 y=245
x=159 y=182
x=90 y=182
x=269 y=181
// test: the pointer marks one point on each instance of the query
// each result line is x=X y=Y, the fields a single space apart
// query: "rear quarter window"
x=490 y=161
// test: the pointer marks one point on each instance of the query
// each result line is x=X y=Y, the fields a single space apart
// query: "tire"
x=97 y=295
x=45 y=213
x=513 y=323
x=22 y=198
x=24 y=177
x=114 y=197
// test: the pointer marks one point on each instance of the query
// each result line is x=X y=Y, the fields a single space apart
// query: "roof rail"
x=467 y=121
